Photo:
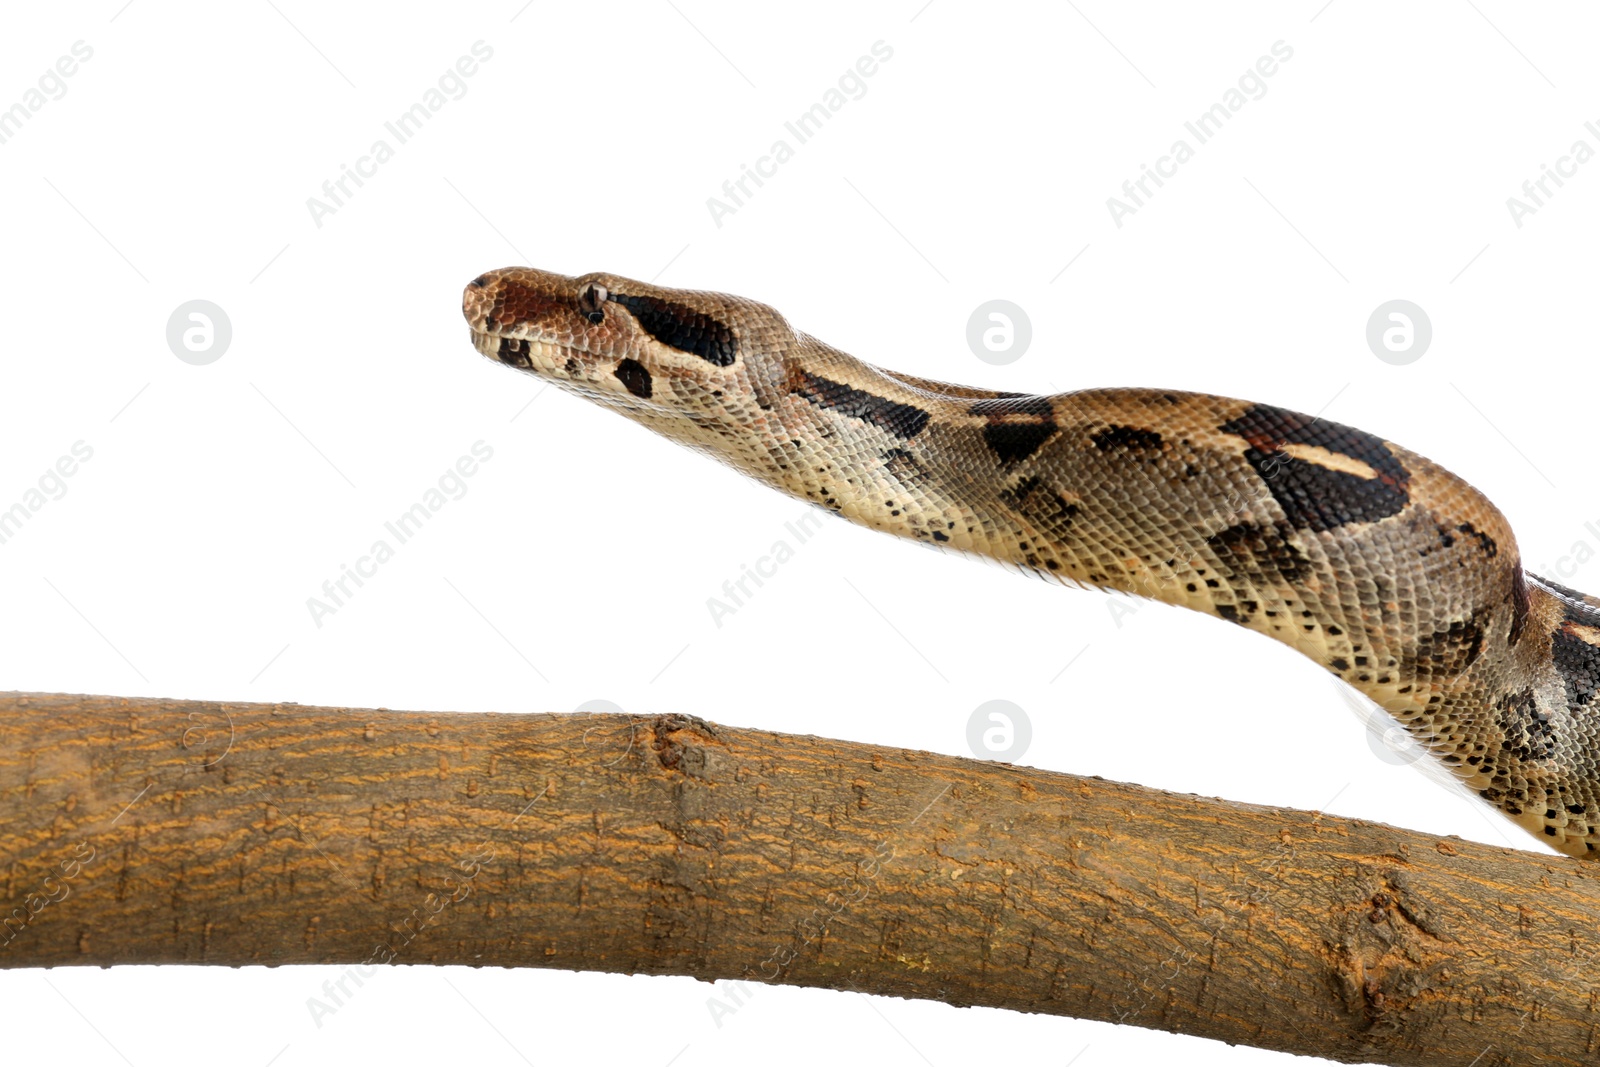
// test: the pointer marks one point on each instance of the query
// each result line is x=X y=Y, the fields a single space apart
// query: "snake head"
x=720 y=374
x=653 y=353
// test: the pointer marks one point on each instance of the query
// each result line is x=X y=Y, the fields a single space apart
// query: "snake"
x=1395 y=575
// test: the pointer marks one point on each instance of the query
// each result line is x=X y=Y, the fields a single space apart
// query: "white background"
x=578 y=564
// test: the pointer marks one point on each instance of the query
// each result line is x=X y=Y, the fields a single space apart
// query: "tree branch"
x=160 y=831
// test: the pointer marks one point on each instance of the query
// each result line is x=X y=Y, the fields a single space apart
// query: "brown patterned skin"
x=1392 y=573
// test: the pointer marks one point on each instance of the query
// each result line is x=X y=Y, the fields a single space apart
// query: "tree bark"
x=164 y=831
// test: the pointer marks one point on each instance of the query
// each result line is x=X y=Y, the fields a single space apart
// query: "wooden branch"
x=158 y=831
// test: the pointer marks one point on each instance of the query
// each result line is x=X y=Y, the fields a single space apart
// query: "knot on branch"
x=684 y=754
x=1394 y=955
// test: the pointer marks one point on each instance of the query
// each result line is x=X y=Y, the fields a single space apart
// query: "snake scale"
x=1390 y=572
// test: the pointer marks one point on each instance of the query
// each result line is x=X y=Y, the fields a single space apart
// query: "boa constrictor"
x=1394 y=574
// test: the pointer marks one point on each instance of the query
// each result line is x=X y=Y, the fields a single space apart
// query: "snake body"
x=1389 y=571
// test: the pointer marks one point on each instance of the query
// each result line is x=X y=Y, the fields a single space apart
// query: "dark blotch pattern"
x=902 y=420
x=1261 y=555
x=683 y=328
x=1528 y=732
x=1126 y=438
x=1314 y=497
x=1269 y=428
x=1037 y=407
x=1041 y=506
x=1016 y=441
x=514 y=353
x=1448 y=652
x=1576 y=660
x=904 y=466
x=1015 y=426
x=1485 y=542
x=1317 y=498
x=634 y=378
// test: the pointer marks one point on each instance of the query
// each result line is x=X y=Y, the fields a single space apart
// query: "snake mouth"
x=535 y=355
x=618 y=382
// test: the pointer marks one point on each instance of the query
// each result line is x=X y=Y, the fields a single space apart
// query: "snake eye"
x=589 y=302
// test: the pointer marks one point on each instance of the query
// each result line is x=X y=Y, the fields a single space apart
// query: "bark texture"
x=163 y=831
